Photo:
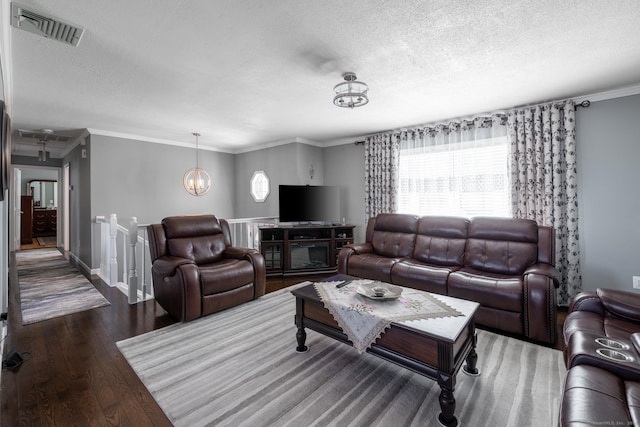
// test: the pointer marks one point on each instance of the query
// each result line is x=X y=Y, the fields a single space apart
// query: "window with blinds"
x=463 y=179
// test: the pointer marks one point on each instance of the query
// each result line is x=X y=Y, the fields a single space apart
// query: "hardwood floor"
x=73 y=374
x=35 y=245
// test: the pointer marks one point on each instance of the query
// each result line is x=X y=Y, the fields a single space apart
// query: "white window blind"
x=466 y=179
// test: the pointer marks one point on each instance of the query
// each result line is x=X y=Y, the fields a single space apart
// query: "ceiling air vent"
x=45 y=26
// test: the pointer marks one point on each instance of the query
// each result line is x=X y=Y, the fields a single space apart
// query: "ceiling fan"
x=46 y=135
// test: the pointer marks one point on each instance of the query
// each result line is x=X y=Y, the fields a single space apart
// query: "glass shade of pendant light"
x=351 y=93
x=43 y=154
x=196 y=180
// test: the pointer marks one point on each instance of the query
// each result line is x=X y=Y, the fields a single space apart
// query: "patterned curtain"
x=380 y=174
x=544 y=181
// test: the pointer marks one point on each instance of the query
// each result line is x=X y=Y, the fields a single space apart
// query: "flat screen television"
x=309 y=203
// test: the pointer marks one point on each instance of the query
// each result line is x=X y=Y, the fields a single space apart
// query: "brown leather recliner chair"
x=195 y=269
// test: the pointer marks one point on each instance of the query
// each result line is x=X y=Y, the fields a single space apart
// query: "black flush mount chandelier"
x=351 y=93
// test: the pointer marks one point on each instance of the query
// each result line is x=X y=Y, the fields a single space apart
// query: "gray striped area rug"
x=50 y=286
x=239 y=367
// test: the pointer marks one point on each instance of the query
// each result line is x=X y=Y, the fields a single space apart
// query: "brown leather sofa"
x=600 y=390
x=506 y=265
x=196 y=271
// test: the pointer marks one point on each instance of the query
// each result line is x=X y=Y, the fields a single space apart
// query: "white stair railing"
x=123 y=248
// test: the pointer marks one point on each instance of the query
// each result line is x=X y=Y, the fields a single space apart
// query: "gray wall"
x=144 y=179
x=608 y=150
x=340 y=165
x=33 y=161
x=344 y=167
x=80 y=220
x=285 y=164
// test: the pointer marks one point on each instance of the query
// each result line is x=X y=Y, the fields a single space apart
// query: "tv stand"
x=303 y=249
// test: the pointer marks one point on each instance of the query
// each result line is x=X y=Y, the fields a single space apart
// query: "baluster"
x=133 y=274
x=113 y=255
x=104 y=248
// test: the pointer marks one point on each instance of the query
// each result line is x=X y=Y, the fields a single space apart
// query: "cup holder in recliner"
x=609 y=343
x=614 y=355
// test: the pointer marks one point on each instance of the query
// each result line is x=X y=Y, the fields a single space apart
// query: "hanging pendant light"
x=43 y=154
x=196 y=180
x=351 y=93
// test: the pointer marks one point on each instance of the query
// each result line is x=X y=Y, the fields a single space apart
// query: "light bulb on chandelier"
x=196 y=180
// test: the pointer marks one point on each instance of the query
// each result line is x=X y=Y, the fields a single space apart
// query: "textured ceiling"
x=247 y=73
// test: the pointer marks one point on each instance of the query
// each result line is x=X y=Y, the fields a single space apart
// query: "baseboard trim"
x=81 y=265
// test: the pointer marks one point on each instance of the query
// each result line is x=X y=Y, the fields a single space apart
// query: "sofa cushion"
x=493 y=290
x=372 y=266
x=593 y=396
x=441 y=240
x=225 y=275
x=201 y=249
x=394 y=235
x=501 y=245
x=421 y=276
x=199 y=238
x=191 y=225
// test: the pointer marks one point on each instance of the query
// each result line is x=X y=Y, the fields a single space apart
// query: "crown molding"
x=278 y=143
x=609 y=94
x=79 y=140
x=123 y=135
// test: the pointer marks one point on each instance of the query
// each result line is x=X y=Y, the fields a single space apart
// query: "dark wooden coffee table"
x=435 y=348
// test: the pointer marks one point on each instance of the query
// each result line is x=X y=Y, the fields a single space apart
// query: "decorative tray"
x=379 y=291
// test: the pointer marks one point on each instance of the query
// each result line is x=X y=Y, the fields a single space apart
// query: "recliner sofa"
x=196 y=271
x=505 y=264
x=601 y=390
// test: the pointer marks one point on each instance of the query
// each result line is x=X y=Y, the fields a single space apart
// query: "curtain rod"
x=584 y=104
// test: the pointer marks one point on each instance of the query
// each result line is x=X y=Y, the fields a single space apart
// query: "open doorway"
x=38 y=196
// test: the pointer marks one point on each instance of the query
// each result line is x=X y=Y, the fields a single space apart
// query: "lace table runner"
x=363 y=320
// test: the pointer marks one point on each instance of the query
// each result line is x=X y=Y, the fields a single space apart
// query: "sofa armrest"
x=257 y=261
x=360 y=248
x=166 y=265
x=176 y=287
x=237 y=253
x=347 y=251
x=586 y=301
x=545 y=270
x=623 y=304
x=540 y=306
x=259 y=273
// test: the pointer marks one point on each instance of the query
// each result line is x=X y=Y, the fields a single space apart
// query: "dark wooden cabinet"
x=26 y=220
x=302 y=249
x=45 y=222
